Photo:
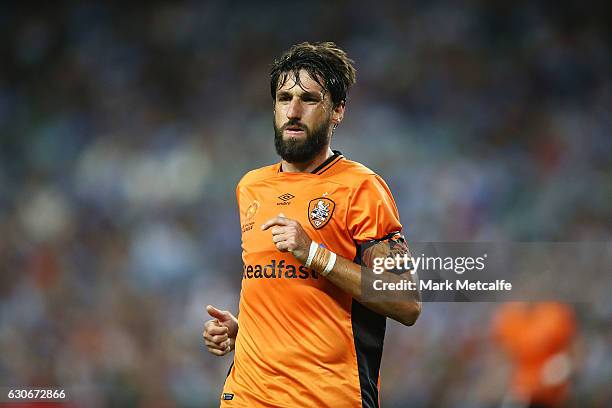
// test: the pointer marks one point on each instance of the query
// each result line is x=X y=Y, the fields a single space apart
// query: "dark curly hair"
x=327 y=64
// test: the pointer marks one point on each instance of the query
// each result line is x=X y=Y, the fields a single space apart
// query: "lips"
x=294 y=130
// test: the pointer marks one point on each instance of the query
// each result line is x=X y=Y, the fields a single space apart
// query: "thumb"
x=216 y=313
x=281 y=215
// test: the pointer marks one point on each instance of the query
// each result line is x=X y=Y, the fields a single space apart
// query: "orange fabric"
x=531 y=334
x=295 y=344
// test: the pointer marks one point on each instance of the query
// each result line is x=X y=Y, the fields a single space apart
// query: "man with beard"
x=307 y=336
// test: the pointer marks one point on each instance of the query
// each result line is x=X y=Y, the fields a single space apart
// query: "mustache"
x=294 y=123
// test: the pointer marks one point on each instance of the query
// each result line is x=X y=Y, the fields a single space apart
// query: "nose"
x=294 y=111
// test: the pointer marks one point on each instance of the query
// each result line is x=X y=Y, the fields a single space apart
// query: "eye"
x=311 y=99
x=283 y=98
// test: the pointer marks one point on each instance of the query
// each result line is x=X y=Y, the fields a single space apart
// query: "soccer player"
x=537 y=337
x=306 y=335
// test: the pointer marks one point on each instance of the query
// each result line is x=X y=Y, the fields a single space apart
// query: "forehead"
x=305 y=83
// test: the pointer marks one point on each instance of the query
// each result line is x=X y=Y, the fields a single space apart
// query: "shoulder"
x=259 y=174
x=355 y=175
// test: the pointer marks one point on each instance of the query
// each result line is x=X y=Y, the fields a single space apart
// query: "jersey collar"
x=323 y=167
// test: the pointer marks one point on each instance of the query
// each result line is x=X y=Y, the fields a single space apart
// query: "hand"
x=220 y=333
x=289 y=236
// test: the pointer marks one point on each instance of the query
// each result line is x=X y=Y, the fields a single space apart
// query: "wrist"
x=320 y=259
x=312 y=251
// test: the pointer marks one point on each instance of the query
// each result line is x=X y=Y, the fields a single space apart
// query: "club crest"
x=320 y=211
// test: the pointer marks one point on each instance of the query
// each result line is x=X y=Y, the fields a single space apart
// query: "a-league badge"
x=251 y=210
x=320 y=211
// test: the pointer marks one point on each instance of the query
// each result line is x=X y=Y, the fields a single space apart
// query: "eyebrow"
x=305 y=94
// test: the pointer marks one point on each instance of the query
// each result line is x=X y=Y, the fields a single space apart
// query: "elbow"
x=410 y=313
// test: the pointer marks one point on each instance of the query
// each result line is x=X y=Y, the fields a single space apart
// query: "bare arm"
x=289 y=236
x=350 y=276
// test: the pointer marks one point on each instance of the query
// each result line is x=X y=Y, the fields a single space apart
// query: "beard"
x=301 y=151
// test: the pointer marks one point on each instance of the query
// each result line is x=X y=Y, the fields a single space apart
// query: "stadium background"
x=125 y=128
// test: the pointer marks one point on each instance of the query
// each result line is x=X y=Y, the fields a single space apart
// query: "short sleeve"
x=372 y=212
x=238 y=201
x=244 y=206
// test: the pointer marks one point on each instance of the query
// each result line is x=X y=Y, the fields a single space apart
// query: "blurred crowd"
x=125 y=127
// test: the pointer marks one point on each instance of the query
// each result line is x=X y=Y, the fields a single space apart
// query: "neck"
x=308 y=166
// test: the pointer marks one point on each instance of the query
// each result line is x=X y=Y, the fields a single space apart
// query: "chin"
x=294 y=136
x=294 y=140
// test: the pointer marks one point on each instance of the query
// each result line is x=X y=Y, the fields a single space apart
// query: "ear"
x=338 y=113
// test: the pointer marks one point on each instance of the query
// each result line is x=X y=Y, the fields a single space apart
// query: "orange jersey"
x=303 y=342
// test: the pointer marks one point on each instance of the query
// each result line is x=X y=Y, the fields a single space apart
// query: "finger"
x=280 y=238
x=225 y=346
x=282 y=246
x=216 y=346
x=212 y=323
x=281 y=215
x=275 y=221
x=208 y=336
x=221 y=338
x=215 y=330
x=217 y=352
x=214 y=312
x=276 y=230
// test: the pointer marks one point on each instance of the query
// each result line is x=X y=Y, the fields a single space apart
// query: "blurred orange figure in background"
x=537 y=339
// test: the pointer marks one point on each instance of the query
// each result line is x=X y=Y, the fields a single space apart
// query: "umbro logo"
x=286 y=196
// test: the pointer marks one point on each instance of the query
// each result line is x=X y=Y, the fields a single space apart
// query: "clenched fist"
x=220 y=332
x=289 y=236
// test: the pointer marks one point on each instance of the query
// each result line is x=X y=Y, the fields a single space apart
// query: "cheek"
x=313 y=115
x=278 y=116
x=320 y=117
